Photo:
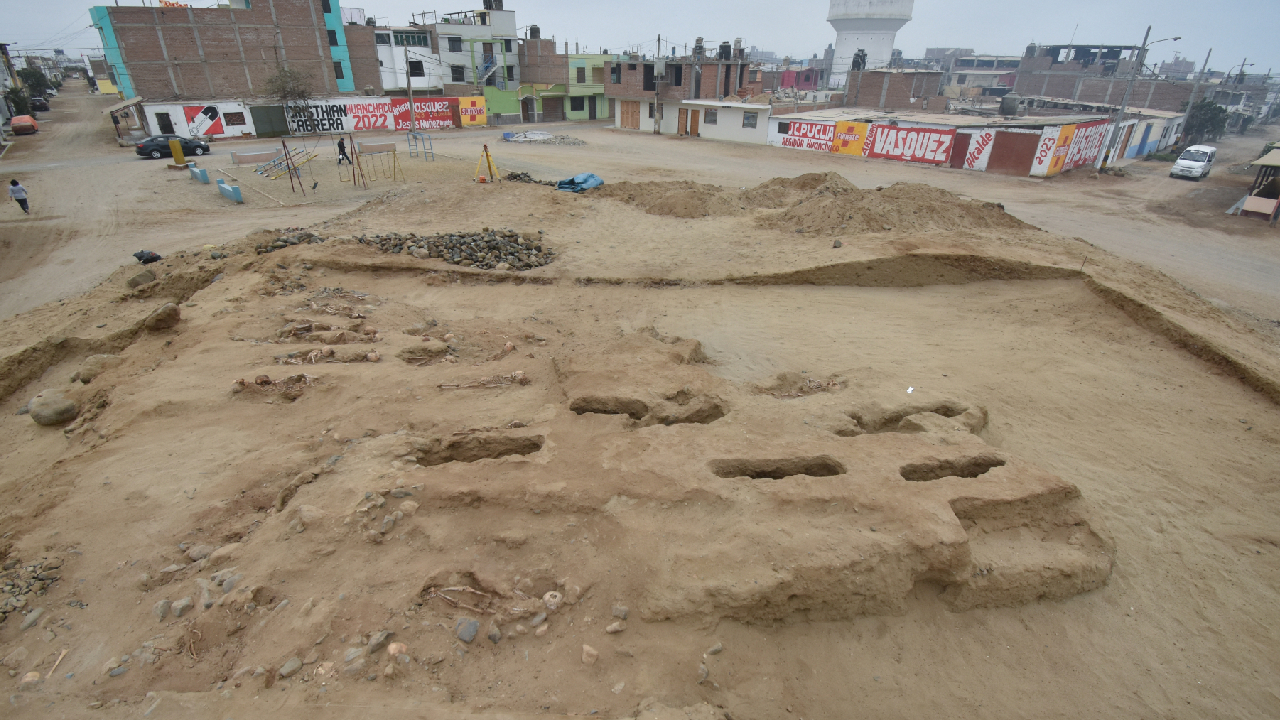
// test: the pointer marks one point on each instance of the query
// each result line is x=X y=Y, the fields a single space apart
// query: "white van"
x=1195 y=162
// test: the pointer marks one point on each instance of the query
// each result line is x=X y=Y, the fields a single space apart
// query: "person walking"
x=342 y=152
x=19 y=193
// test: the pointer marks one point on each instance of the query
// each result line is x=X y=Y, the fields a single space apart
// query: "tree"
x=290 y=86
x=1208 y=120
x=17 y=100
x=36 y=81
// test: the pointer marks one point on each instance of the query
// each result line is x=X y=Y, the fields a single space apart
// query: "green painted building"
x=586 y=100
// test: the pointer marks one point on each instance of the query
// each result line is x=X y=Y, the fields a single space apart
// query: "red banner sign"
x=909 y=144
x=430 y=114
x=1086 y=144
x=368 y=115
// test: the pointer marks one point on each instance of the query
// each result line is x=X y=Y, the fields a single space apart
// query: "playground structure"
x=420 y=144
x=383 y=160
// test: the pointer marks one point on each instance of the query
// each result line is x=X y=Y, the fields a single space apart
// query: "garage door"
x=552 y=109
x=1012 y=153
x=268 y=121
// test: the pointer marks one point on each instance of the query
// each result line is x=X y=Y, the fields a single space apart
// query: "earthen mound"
x=905 y=206
x=675 y=199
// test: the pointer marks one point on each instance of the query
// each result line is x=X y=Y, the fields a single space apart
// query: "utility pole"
x=1124 y=104
x=1186 y=117
x=1243 y=64
x=657 y=106
x=408 y=82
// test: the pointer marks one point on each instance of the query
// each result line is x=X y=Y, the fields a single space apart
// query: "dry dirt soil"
x=704 y=464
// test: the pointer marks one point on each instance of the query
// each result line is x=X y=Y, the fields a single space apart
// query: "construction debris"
x=487 y=249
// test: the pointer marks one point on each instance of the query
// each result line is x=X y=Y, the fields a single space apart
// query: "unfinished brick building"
x=1094 y=74
x=638 y=87
x=181 y=53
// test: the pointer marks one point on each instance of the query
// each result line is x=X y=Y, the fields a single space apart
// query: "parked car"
x=24 y=125
x=1194 y=162
x=39 y=103
x=157 y=146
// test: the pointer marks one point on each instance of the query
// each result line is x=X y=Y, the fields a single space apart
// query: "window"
x=325 y=7
x=506 y=45
x=333 y=38
x=582 y=75
x=710 y=116
x=416 y=69
x=456 y=73
x=631 y=66
x=676 y=74
x=337 y=70
x=577 y=104
x=784 y=128
x=649 y=85
x=650 y=111
x=615 y=74
x=413 y=39
x=755 y=75
x=749 y=119
x=455 y=44
x=233 y=118
x=382 y=38
x=511 y=72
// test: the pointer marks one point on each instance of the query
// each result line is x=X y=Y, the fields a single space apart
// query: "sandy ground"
x=939 y=470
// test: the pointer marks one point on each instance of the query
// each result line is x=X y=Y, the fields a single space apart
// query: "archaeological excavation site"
x=660 y=449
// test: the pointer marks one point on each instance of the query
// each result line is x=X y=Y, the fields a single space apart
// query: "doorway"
x=630 y=115
x=528 y=111
x=682 y=122
x=693 y=123
x=164 y=123
x=591 y=107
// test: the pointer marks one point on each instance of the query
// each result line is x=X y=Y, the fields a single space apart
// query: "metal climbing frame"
x=421 y=143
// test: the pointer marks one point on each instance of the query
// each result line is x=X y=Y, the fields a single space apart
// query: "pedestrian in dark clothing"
x=19 y=193
x=342 y=152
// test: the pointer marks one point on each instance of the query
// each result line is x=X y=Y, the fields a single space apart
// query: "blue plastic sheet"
x=578 y=183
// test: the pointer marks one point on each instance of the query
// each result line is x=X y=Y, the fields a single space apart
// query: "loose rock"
x=467 y=629
x=165 y=317
x=291 y=666
x=494 y=633
x=31 y=619
x=50 y=407
x=537 y=620
x=161 y=609
x=616 y=627
x=715 y=649
x=620 y=612
x=589 y=655
x=379 y=640
x=182 y=606
x=142 y=278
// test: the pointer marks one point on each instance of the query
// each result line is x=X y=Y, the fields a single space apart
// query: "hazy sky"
x=1235 y=29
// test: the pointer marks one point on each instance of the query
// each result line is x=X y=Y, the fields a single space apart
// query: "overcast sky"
x=1235 y=29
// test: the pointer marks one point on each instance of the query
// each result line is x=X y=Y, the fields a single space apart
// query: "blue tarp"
x=578 y=183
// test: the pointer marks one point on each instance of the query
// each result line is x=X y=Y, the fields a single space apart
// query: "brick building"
x=643 y=92
x=183 y=53
x=1095 y=74
x=914 y=90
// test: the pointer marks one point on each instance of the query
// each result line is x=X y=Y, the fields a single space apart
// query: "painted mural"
x=203 y=119
x=980 y=144
x=472 y=111
x=850 y=137
x=1064 y=147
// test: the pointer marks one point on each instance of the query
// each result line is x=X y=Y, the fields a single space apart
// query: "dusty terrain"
x=950 y=467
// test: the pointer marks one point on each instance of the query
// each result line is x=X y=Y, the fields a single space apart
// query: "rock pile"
x=557 y=140
x=525 y=177
x=19 y=584
x=297 y=237
x=488 y=249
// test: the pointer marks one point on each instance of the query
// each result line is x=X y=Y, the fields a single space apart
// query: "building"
x=479 y=48
x=185 y=53
x=1179 y=68
x=869 y=25
x=902 y=90
x=1097 y=74
x=544 y=75
x=649 y=92
x=406 y=58
x=971 y=75
x=8 y=79
x=587 y=100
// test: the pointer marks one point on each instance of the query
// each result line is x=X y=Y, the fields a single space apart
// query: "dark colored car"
x=39 y=103
x=157 y=146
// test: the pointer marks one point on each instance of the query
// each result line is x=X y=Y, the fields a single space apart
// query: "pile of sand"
x=818 y=202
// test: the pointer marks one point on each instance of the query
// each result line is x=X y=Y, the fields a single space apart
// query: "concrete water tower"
x=867 y=24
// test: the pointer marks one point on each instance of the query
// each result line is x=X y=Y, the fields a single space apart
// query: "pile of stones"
x=525 y=177
x=19 y=584
x=558 y=140
x=488 y=249
x=298 y=237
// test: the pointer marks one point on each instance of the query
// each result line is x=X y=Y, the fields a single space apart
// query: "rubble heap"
x=297 y=237
x=488 y=249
